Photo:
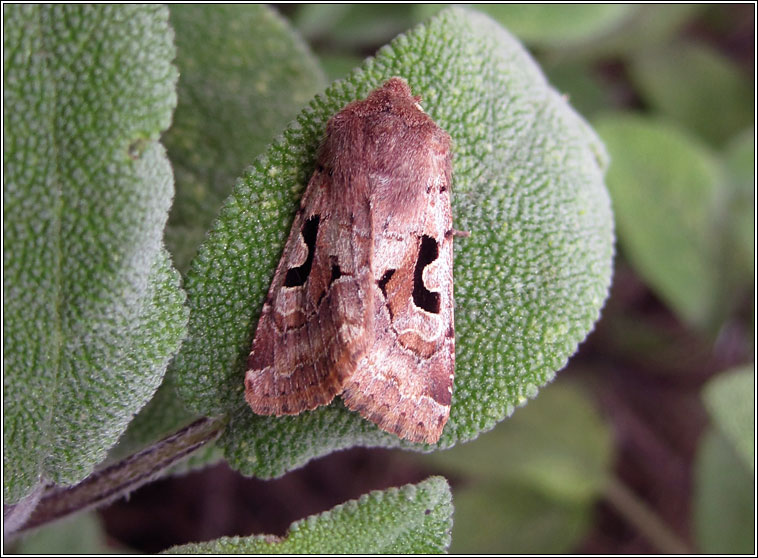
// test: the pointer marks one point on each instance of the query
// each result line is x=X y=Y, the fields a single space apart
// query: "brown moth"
x=361 y=303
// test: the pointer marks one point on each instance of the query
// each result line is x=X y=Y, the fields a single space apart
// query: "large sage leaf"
x=244 y=74
x=530 y=281
x=92 y=306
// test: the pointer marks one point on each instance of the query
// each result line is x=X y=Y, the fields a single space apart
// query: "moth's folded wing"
x=316 y=322
x=404 y=383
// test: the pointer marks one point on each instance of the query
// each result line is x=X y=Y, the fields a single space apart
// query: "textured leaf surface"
x=530 y=486
x=530 y=280
x=665 y=189
x=244 y=76
x=730 y=398
x=413 y=519
x=92 y=307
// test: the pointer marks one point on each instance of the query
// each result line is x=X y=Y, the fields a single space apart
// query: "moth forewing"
x=362 y=300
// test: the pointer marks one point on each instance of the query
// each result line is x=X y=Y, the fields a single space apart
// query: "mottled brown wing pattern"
x=362 y=300
x=404 y=383
x=316 y=321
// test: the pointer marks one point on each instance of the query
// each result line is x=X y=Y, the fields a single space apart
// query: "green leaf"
x=558 y=443
x=353 y=25
x=529 y=281
x=723 y=500
x=413 y=519
x=556 y=24
x=695 y=86
x=92 y=308
x=163 y=415
x=337 y=66
x=244 y=75
x=582 y=86
x=739 y=218
x=510 y=517
x=313 y=20
x=730 y=399
x=665 y=190
x=530 y=486
x=645 y=27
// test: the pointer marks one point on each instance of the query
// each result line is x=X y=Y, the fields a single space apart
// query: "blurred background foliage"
x=645 y=442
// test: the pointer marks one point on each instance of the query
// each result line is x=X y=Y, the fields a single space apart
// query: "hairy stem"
x=119 y=479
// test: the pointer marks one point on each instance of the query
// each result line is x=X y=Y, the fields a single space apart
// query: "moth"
x=361 y=303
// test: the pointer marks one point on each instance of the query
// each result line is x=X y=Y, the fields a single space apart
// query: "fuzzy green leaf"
x=730 y=398
x=530 y=281
x=665 y=189
x=244 y=75
x=92 y=307
x=413 y=519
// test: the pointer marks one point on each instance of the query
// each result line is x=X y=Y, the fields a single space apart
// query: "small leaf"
x=413 y=519
x=92 y=308
x=558 y=443
x=723 y=499
x=530 y=486
x=530 y=280
x=730 y=398
x=665 y=189
x=695 y=86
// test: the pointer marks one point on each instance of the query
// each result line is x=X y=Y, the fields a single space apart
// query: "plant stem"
x=644 y=518
x=119 y=479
